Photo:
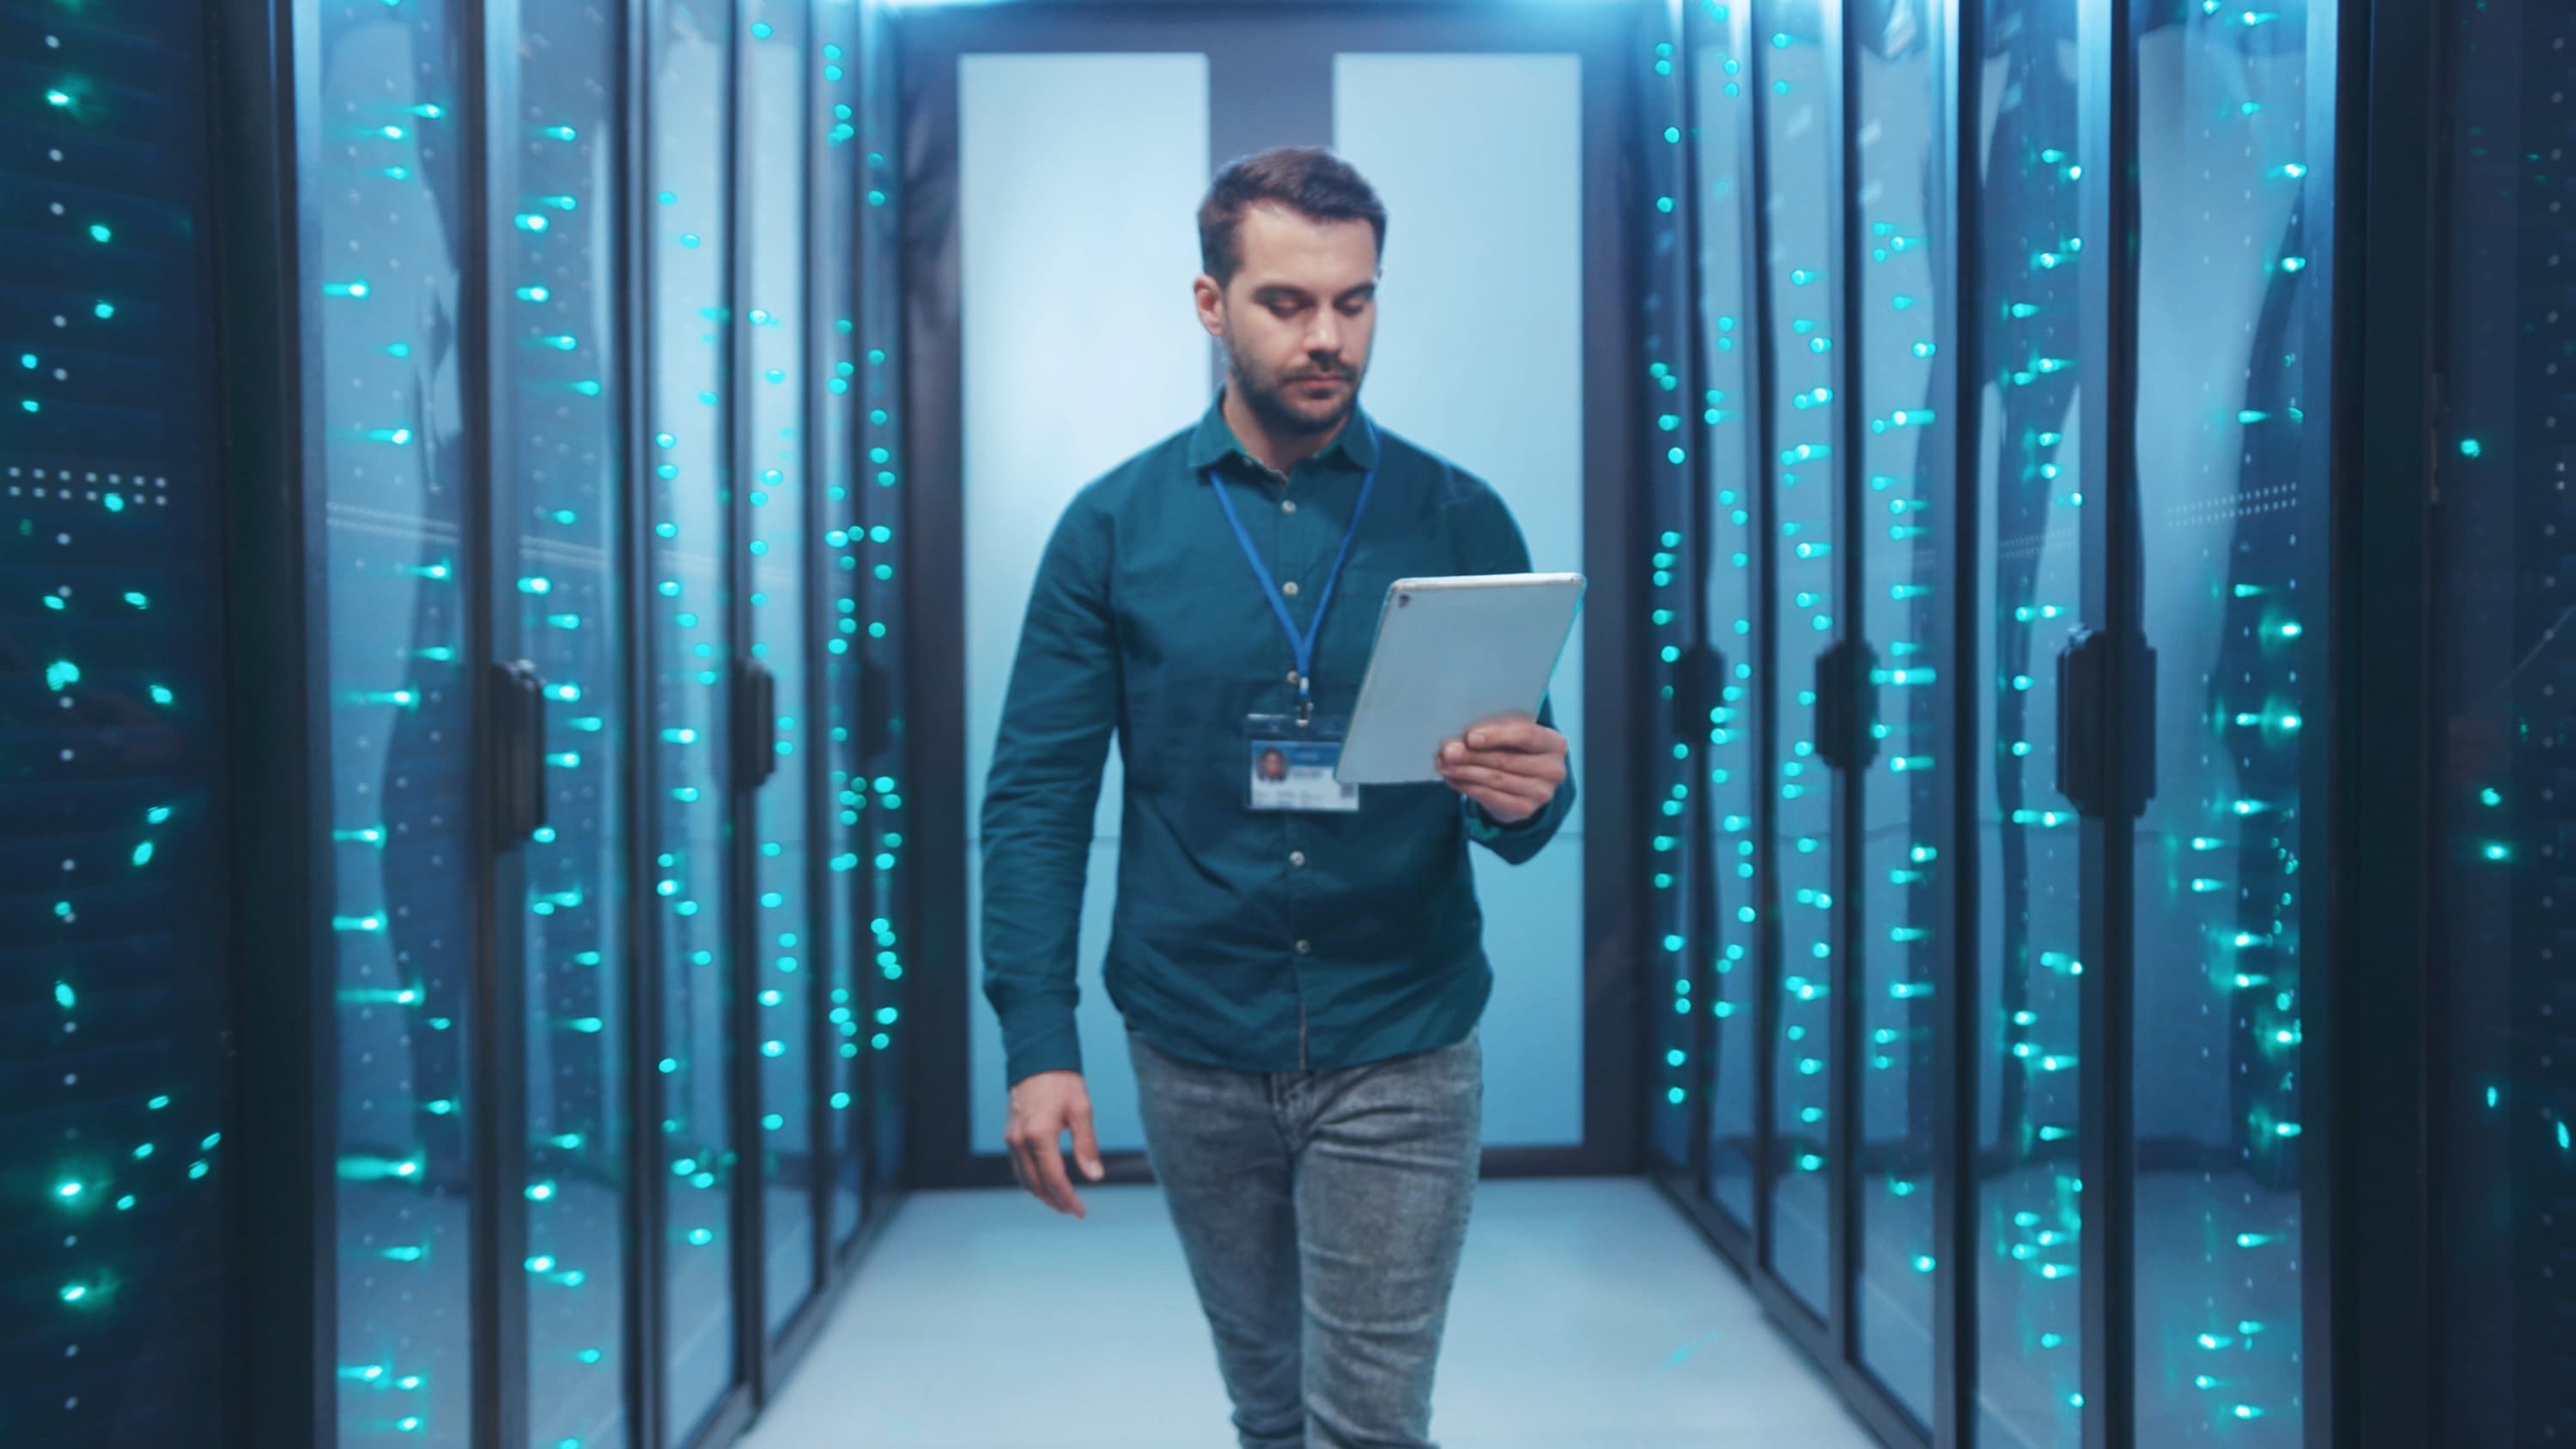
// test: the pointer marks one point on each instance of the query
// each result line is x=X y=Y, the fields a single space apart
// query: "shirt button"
x=1301 y=948
x=1289 y=588
x=1297 y=858
x=1287 y=505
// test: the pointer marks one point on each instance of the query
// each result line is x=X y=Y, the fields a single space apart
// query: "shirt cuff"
x=1484 y=826
x=1055 y=1046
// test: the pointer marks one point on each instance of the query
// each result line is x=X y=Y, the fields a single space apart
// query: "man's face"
x=1298 y=318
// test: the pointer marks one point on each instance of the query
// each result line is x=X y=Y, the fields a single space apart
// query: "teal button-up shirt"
x=1258 y=941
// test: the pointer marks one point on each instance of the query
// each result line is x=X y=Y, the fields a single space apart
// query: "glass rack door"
x=1674 y=984
x=771 y=402
x=1800 y=276
x=1732 y=477
x=690 y=661
x=835 y=347
x=881 y=775
x=560 y=534
x=383 y=173
x=1905 y=531
x=2231 y=512
x=2029 y=563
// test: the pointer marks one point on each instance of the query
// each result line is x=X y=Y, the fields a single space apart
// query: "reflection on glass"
x=2030 y=1304
x=1798 y=135
x=688 y=252
x=2505 y=682
x=1902 y=533
x=1731 y=479
x=881 y=702
x=774 y=403
x=835 y=203
x=559 y=357
x=2232 y=532
x=385 y=452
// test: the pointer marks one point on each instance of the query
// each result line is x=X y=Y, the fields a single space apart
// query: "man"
x=1300 y=970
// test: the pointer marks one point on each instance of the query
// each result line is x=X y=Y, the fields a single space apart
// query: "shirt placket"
x=1292 y=562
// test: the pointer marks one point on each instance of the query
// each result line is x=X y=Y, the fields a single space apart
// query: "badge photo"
x=1291 y=765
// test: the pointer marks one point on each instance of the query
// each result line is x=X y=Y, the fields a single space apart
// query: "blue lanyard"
x=1302 y=645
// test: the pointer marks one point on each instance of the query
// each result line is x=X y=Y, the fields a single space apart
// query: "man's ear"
x=1211 y=304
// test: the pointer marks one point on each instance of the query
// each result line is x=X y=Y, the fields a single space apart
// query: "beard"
x=1268 y=393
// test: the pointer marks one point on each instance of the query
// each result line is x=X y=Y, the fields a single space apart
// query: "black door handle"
x=1707 y=702
x=2106 y=724
x=1847 y=705
x=755 y=724
x=1696 y=684
x=1860 y=668
x=518 y=753
x=767 y=733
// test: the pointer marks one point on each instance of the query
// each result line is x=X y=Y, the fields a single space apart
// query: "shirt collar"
x=1213 y=442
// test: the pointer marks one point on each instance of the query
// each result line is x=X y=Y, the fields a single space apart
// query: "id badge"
x=1292 y=765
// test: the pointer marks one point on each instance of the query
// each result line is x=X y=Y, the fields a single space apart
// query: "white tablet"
x=1452 y=653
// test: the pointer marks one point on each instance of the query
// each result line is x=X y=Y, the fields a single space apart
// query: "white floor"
x=1589 y=1316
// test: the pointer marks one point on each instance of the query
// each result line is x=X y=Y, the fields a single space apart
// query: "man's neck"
x=1280 y=454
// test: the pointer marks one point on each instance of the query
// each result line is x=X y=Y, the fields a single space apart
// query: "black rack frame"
x=2374 y=1208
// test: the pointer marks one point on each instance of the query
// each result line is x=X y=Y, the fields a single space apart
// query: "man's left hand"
x=1512 y=767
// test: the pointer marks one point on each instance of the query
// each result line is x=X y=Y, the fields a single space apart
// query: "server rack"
x=503 y=1117
x=2450 y=1181
x=127 y=1167
x=2027 y=1152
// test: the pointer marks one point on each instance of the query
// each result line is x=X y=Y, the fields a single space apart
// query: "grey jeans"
x=1322 y=1214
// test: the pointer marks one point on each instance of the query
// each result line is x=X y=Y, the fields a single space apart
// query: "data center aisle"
x=1590 y=1316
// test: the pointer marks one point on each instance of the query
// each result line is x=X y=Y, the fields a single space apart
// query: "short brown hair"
x=1308 y=180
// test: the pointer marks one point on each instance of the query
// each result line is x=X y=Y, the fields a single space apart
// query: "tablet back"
x=1451 y=653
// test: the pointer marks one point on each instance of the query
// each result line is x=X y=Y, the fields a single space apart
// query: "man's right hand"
x=1044 y=1107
